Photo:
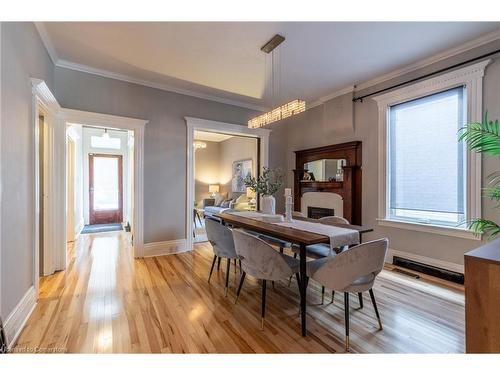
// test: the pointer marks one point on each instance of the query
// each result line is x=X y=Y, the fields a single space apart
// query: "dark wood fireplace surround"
x=349 y=189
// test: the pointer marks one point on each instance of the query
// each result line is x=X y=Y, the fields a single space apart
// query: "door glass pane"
x=101 y=142
x=106 y=186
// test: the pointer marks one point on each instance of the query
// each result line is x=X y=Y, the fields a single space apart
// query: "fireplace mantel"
x=349 y=189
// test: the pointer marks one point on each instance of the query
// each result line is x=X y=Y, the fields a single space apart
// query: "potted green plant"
x=267 y=184
x=484 y=137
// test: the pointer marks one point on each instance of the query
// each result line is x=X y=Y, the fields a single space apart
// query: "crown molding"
x=49 y=46
x=467 y=46
x=61 y=63
x=160 y=86
x=333 y=95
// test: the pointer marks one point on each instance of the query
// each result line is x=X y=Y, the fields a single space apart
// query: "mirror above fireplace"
x=324 y=170
x=331 y=169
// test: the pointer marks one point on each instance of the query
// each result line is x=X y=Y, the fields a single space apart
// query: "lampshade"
x=250 y=193
x=213 y=188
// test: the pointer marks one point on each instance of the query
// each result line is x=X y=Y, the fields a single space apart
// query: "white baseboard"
x=79 y=227
x=425 y=260
x=16 y=320
x=154 y=249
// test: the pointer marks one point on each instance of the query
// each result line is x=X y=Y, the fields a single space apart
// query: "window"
x=105 y=142
x=426 y=163
x=428 y=181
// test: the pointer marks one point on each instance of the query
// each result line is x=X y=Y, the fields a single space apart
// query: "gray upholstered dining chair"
x=221 y=239
x=332 y=220
x=352 y=271
x=322 y=250
x=261 y=261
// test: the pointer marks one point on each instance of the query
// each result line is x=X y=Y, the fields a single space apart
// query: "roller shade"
x=426 y=161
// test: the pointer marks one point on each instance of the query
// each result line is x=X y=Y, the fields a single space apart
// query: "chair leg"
x=242 y=279
x=235 y=266
x=281 y=249
x=322 y=294
x=333 y=295
x=212 y=268
x=372 y=296
x=263 y=313
x=360 y=296
x=227 y=276
x=295 y=255
x=297 y=276
x=218 y=263
x=241 y=270
x=272 y=283
x=346 y=310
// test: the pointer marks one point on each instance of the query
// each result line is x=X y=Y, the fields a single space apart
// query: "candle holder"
x=288 y=205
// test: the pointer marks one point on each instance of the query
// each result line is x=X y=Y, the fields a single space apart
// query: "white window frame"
x=472 y=78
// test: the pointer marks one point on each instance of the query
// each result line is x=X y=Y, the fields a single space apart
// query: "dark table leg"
x=303 y=287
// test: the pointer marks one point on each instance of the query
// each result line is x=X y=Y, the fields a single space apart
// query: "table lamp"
x=251 y=197
x=213 y=189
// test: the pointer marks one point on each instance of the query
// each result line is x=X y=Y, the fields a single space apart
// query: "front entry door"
x=105 y=189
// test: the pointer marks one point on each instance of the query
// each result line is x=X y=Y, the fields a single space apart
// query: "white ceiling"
x=223 y=61
x=210 y=136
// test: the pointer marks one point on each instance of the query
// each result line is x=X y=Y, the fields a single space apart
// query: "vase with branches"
x=484 y=137
x=266 y=185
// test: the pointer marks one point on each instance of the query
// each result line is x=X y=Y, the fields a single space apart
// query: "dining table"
x=299 y=237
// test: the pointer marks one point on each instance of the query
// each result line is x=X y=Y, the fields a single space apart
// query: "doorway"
x=221 y=163
x=105 y=189
x=209 y=126
x=107 y=179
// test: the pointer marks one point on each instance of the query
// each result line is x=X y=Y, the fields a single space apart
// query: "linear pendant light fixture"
x=283 y=111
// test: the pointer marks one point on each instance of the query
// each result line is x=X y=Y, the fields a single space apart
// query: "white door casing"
x=72 y=116
x=193 y=124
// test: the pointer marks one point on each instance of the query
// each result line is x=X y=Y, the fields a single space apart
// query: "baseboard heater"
x=441 y=273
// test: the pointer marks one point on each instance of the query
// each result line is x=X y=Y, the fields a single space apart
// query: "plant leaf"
x=486 y=227
x=482 y=137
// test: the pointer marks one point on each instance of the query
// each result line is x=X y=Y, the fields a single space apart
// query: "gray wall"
x=335 y=122
x=231 y=150
x=165 y=138
x=23 y=57
x=214 y=164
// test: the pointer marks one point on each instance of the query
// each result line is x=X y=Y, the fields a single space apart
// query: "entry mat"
x=96 y=228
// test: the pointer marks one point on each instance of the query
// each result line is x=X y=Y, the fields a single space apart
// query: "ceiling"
x=210 y=136
x=223 y=61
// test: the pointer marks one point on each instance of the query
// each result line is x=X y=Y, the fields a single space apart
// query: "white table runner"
x=338 y=236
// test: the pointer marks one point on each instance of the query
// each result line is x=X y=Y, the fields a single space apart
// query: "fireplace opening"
x=319 y=212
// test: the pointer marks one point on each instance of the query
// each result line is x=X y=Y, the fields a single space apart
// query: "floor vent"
x=406 y=273
x=441 y=273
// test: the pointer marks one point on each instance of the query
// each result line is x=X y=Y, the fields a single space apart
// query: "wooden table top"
x=295 y=236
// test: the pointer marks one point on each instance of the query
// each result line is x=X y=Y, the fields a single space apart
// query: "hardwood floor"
x=107 y=302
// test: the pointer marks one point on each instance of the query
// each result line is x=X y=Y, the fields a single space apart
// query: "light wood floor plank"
x=108 y=302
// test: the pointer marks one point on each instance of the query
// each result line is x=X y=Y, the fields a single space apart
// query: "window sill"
x=430 y=228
